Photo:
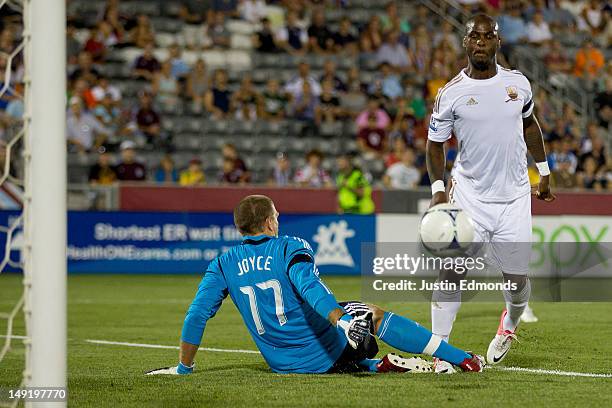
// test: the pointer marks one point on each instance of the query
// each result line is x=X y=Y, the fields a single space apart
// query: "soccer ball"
x=446 y=230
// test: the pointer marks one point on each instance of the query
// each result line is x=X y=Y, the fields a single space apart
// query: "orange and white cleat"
x=501 y=343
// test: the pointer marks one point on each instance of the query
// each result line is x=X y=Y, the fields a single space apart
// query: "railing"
x=92 y=197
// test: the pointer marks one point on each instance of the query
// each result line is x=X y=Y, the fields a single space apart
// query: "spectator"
x=217 y=99
x=312 y=174
x=193 y=175
x=386 y=82
x=382 y=118
x=166 y=172
x=109 y=114
x=217 y=31
x=196 y=37
x=102 y=173
x=512 y=28
x=294 y=86
x=83 y=130
x=589 y=61
x=591 y=178
x=354 y=189
x=447 y=35
x=344 y=40
x=116 y=22
x=85 y=69
x=281 y=174
x=305 y=104
x=329 y=74
x=391 y=20
x=593 y=18
x=538 y=31
x=166 y=87
x=603 y=104
x=420 y=51
x=104 y=88
x=403 y=175
x=597 y=152
x=398 y=147
x=320 y=38
x=246 y=100
x=394 y=53
x=180 y=69
x=143 y=34
x=328 y=108
x=73 y=46
x=239 y=171
x=565 y=160
x=273 y=101
x=252 y=11
x=229 y=173
x=130 y=169
x=80 y=89
x=193 y=11
x=292 y=38
x=371 y=38
x=353 y=100
x=94 y=45
x=146 y=65
x=264 y=41
x=556 y=60
x=15 y=107
x=148 y=119
x=372 y=139
x=197 y=85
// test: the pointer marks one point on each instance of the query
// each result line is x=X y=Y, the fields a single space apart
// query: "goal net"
x=33 y=193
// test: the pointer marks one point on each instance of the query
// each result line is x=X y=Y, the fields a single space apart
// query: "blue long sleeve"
x=207 y=301
x=305 y=278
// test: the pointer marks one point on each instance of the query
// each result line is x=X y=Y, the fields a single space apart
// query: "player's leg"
x=511 y=249
x=445 y=303
x=406 y=335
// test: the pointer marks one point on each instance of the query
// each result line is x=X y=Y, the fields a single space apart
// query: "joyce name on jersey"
x=486 y=116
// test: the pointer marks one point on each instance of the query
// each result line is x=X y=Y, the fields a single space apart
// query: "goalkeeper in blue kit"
x=293 y=317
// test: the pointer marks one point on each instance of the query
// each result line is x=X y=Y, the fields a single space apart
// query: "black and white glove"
x=356 y=330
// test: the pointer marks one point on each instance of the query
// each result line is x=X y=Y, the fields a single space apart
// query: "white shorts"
x=505 y=225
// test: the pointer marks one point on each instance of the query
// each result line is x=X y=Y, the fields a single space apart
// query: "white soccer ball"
x=446 y=230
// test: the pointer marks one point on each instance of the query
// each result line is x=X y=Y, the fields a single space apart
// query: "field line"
x=160 y=346
x=219 y=350
x=553 y=372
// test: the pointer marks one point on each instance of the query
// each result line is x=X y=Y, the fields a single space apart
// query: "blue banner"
x=144 y=242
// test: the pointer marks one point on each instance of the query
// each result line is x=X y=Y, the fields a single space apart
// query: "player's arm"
x=304 y=276
x=440 y=130
x=535 y=145
x=207 y=301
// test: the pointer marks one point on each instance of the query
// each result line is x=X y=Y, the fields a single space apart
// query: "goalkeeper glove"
x=355 y=330
x=180 y=369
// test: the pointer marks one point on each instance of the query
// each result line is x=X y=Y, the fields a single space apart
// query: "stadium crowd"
x=398 y=56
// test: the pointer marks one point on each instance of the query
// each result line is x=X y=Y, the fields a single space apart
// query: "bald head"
x=484 y=22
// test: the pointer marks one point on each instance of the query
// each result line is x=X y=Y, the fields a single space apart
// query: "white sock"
x=516 y=302
x=444 y=308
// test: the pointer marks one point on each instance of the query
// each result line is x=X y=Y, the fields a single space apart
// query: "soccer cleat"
x=528 y=316
x=443 y=367
x=393 y=363
x=501 y=343
x=474 y=364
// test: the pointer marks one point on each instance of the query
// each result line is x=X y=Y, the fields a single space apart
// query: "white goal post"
x=45 y=194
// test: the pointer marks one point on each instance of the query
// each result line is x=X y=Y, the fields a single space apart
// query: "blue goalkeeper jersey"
x=275 y=285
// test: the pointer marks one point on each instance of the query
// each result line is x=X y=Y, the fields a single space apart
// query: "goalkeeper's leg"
x=406 y=335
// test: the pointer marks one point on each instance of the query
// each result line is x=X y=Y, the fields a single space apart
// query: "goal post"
x=45 y=194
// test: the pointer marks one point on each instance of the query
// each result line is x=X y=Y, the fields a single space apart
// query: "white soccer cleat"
x=528 y=316
x=501 y=343
x=163 y=371
x=443 y=367
x=398 y=364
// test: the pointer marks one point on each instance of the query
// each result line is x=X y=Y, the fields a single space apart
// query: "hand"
x=180 y=369
x=356 y=330
x=542 y=190
x=438 y=198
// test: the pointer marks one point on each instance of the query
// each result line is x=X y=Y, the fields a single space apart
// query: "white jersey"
x=486 y=116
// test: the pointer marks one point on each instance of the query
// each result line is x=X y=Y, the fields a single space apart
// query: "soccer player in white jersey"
x=490 y=110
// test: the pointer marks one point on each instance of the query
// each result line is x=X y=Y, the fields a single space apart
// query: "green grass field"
x=150 y=309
